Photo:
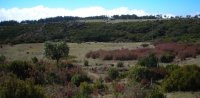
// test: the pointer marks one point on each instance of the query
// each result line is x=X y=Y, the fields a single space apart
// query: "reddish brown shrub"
x=144 y=81
x=180 y=50
x=119 y=87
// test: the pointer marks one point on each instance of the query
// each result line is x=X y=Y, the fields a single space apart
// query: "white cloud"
x=39 y=12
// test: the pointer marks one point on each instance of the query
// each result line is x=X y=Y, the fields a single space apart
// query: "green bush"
x=86 y=63
x=98 y=84
x=2 y=58
x=85 y=88
x=81 y=95
x=113 y=73
x=40 y=67
x=167 y=57
x=186 y=78
x=149 y=61
x=120 y=64
x=170 y=68
x=53 y=78
x=11 y=87
x=20 y=68
x=155 y=94
x=34 y=60
x=137 y=73
x=77 y=79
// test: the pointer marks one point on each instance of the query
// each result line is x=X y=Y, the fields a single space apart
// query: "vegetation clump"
x=149 y=61
x=21 y=68
x=11 y=87
x=77 y=79
x=186 y=78
x=2 y=59
x=167 y=57
x=113 y=73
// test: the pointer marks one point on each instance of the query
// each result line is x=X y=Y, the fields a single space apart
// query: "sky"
x=35 y=9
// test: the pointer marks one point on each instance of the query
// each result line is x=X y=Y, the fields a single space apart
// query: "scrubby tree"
x=56 y=50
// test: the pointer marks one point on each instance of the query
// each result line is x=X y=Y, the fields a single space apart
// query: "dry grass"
x=27 y=51
x=183 y=95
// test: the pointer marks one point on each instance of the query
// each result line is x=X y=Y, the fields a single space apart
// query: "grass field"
x=27 y=51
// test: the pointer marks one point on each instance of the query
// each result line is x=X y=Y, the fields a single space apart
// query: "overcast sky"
x=36 y=9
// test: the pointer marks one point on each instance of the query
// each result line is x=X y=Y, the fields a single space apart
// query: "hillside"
x=178 y=30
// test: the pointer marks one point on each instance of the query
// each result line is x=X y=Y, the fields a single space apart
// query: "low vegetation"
x=165 y=52
x=12 y=87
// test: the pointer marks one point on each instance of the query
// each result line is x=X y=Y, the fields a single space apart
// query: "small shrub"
x=119 y=87
x=120 y=64
x=85 y=88
x=98 y=84
x=149 y=61
x=155 y=94
x=86 y=63
x=113 y=73
x=40 y=67
x=137 y=73
x=123 y=75
x=112 y=65
x=38 y=77
x=20 y=68
x=80 y=95
x=77 y=79
x=170 y=68
x=52 y=78
x=34 y=60
x=2 y=58
x=145 y=45
x=167 y=58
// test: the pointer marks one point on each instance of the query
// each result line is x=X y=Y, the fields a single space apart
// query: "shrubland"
x=176 y=30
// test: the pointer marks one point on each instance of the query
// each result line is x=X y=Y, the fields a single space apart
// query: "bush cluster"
x=11 y=87
x=78 y=78
x=186 y=78
x=113 y=73
x=167 y=57
x=21 y=68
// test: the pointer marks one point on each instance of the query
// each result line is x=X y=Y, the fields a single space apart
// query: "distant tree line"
x=74 y=18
